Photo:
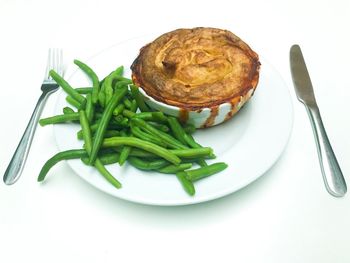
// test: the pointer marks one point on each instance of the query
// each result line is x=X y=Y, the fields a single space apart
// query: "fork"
x=49 y=86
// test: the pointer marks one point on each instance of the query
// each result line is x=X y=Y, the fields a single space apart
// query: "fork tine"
x=55 y=62
x=58 y=66
x=60 y=62
x=48 y=65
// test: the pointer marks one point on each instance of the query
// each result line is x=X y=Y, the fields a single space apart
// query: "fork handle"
x=16 y=165
x=332 y=174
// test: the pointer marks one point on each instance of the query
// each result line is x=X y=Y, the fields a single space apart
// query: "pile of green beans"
x=117 y=126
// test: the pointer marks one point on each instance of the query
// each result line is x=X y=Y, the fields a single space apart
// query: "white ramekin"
x=202 y=118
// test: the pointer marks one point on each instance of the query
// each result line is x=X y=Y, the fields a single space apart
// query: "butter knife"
x=332 y=174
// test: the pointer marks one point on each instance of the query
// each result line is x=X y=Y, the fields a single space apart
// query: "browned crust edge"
x=251 y=83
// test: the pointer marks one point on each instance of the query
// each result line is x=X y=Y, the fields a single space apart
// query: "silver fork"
x=49 y=86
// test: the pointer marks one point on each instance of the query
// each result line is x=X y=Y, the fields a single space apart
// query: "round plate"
x=256 y=135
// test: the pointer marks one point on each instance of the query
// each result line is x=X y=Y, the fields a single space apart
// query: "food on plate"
x=196 y=69
x=118 y=127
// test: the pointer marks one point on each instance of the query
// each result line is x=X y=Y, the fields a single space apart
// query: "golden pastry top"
x=196 y=68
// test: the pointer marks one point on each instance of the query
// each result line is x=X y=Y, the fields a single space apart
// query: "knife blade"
x=301 y=79
x=331 y=172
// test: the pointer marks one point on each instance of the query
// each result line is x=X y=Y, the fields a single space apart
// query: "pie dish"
x=202 y=75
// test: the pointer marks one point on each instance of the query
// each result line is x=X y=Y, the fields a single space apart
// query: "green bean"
x=137 y=96
x=187 y=138
x=156 y=116
x=125 y=80
x=108 y=133
x=119 y=71
x=85 y=160
x=202 y=162
x=119 y=122
x=90 y=109
x=108 y=91
x=189 y=128
x=113 y=125
x=196 y=174
x=124 y=155
x=180 y=133
x=137 y=152
x=67 y=88
x=144 y=165
x=118 y=118
x=171 y=141
x=88 y=146
x=118 y=110
x=117 y=85
x=98 y=114
x=159 y=126
x=107 y=114
x=102 y=97
x=65 y=155
x=68 y=110
x=109 y=158
x=93 y=128
x=105 y=160
x=190 y=141
x=106 y=174
x=59 y=119
x=127 y=103
x=125 y=122
x=125 y=151
x=84 y=122
x=136 y=131
x=102 y=94
x=122 y=121
x=193 y=153
x=111 y=133
x=147 y=146
x=95 y=81
x=108 y=85
x=186 y=184
x=73 y=102
x=177 y=129
x=134 y=106
x=84 y=90
x=121 y=82
x=128 y=113
x=173 y=169
x=188 y=155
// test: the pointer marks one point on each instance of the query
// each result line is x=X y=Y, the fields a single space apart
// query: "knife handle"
x=332 y=175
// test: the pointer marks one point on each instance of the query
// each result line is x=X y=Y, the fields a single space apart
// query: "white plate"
x=250 y=143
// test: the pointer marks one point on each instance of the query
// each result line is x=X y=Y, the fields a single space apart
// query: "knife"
x=332 y=174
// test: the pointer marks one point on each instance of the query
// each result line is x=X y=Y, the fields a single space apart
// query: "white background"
x=285 y=216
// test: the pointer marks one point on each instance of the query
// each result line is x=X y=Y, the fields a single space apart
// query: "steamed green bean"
x=95 y=81
x=186 y=184
x=65 y=155
x=68 y=88
x=196 y=174
x=117 y=126
x=59 y=119
x=147 y=146
x=107 y=114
